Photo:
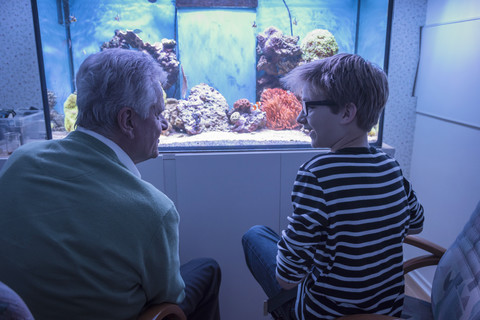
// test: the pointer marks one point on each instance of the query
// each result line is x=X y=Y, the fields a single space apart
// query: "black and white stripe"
x=352 y=210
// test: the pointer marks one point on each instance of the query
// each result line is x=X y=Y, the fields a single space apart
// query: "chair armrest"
x=162 y=311
x=436 y=253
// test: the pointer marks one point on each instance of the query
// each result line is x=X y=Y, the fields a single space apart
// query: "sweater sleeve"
x=304 y=233
x=162 y=280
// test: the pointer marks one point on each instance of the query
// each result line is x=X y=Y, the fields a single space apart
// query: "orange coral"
x=282 y=109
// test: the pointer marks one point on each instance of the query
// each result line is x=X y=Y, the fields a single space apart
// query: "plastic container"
x=26 y=125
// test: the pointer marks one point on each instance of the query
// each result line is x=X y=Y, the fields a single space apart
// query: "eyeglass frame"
x=310 y=104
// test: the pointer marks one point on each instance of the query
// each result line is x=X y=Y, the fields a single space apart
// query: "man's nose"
x=164 y=124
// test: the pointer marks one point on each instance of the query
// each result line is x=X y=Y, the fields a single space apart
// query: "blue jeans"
x=202 y=279
x=260 y=248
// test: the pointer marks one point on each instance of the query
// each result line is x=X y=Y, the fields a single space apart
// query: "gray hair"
x=112 y=79
x=344 y=78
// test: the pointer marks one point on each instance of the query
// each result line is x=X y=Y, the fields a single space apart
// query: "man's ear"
x=349 y=113
x=125 y=121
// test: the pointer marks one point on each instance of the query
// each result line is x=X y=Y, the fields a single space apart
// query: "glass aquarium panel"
x=223 y=58
x=220 y=52
x=373 y=16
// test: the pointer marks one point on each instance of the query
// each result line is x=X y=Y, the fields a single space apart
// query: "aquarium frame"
x=41 y=69
x=386 y=63
x=223 y=148
x=216 y=3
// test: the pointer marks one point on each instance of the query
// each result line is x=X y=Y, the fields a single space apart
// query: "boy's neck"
x=358 y=140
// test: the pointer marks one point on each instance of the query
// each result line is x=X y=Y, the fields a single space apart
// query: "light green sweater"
x=81 y=237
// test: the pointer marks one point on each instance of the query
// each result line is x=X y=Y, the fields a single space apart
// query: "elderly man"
x=82 y=235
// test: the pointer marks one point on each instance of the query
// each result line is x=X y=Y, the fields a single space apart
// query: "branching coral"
x=277 y=55
x=282 y=109
x=163 y=53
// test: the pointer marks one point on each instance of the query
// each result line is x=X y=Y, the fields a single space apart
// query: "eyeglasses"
x=311 y=104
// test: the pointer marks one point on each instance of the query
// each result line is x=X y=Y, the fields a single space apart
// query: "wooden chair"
x=163 y=311
x=435 y=253
x=11 y=305
x=456 y=284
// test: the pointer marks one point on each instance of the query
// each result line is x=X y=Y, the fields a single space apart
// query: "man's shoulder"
x=147 y=195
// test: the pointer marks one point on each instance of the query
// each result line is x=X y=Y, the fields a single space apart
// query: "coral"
x=163 y=53
x=318 y=44
x=56 y=119
x=242 y=105
x=277 y=55
x=257 y=120
x=234 y=117
x=282 y=109
x=267 y=81
x=246 y=117
x=276 y=46
x=373 y=132
x=52 y=99
x=171 y=114
x=205 y=110
x=238 y=123
x=70 y=111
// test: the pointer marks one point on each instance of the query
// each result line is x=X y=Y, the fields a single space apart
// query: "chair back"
x=455 y=286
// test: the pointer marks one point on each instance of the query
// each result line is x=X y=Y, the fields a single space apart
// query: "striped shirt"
x=343 y=244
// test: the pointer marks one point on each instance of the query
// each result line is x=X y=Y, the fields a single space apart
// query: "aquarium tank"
x=223 y=58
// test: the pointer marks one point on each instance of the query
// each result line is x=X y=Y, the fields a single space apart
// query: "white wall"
x=219 y=197
x=399 y=125
x=19 y=75
x=445 y=167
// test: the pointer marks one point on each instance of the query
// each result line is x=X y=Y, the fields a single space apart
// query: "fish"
x=254 y=25
x=257 y=106
x=117 y=17
x=72 y=18
x=295 y=21
x=84 y=51
x=152 y=1
x=184 y=83
x=137 y=31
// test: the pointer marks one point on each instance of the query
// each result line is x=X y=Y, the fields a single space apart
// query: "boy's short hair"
x=344 y=78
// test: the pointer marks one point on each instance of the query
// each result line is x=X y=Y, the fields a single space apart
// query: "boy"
x=342 y=250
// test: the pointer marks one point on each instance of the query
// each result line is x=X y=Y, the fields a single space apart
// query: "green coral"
x=318 y=44
x=164 y=96
x=70 y=111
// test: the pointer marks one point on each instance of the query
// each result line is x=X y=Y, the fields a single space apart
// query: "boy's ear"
x=125 y=121
x=349 y=113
